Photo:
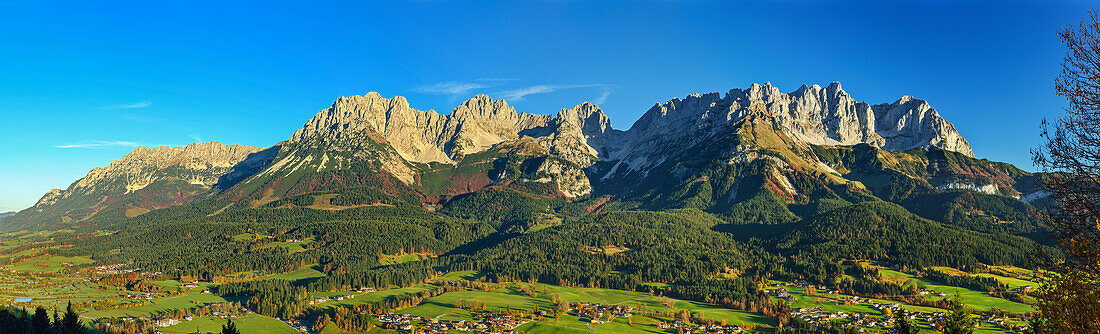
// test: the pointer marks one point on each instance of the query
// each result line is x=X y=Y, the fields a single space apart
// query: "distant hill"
x=146 y=179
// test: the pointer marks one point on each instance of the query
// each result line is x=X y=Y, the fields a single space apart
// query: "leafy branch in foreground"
x=1069 y=298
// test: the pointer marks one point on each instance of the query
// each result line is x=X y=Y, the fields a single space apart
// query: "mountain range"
x=748 y=155
x=707 y=198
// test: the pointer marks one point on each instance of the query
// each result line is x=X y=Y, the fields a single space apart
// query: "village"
x=490 y=322
x=701 y=329
x=864 y=320
x=600 y=313
x=211 y=309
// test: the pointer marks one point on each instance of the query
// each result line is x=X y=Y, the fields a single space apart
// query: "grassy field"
x=49 y=263
x=369 y=297
x=57 y=292
x=187 y=300
x=11 y=243
x=508 y=296
x=385 y=259
x=828 y=304
x=571 y=324
x=1011 y=282
x=459 y=276
x=304 y=272
x=976 y=299
x=248 y=324
x=289 y=246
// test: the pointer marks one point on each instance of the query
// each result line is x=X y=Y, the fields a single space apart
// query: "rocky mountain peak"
x=588 y=117
x=181 y=173
x=417 y=135
x=196 y=163
x=583 y=134
x=484 y=107
x=911 y=123
x=811 y=114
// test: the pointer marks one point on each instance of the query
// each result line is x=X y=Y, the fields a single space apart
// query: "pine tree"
x=903 y=325
x=959 y=320
x=230 y=328
x=40 y=322
x=70 y=323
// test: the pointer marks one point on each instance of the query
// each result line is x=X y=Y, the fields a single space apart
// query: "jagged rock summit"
x=816 y=115
x=195 y=163
x=579 y=137
x=474 y=126
x=812 y=114
x=583 y=134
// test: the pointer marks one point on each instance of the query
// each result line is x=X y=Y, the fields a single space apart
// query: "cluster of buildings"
x=144 y=296
x=113 y=269
x=926 y=292
x=701 y=329
x=1023 y=289
x=489 y=322
x=1003 y=323
x=165 y=321
x=599 y=313
x=319 y=300
x=816 y=315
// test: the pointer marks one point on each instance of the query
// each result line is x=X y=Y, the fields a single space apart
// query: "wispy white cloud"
x=602 y=98
x=521 y=93
x=452 y=88
x=496 y=79
x=101 y=144
x=135 y=105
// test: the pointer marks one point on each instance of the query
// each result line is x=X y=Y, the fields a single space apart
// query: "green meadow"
x=184 y=301
x=977 y=299
x=249 y=324
x=509 y=296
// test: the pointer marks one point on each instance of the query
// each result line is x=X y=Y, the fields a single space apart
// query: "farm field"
x=304 y=272
x=248 y=324
x=290 y=246
x=976 y=299
x=362 y=298
x=459 y=275
x=508 y=296
x=1011 y=282
x=54 y=292
x=385 y=259
x=187 y=300
x=571 y=324
x=49 y=263
x=829 y=305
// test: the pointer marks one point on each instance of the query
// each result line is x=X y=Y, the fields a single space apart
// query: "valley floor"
x=32 y=277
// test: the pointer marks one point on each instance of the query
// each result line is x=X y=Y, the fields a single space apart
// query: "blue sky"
x=83 y=83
